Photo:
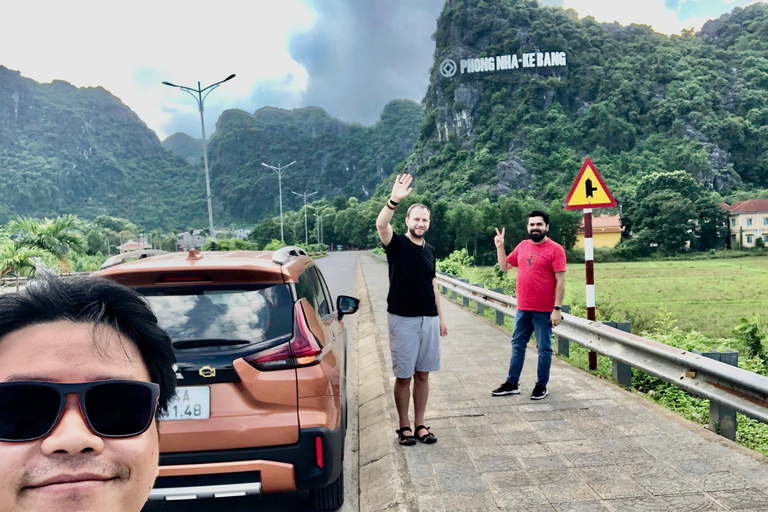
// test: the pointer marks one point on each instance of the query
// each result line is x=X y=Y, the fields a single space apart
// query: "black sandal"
x=403 y=439
x=428 y=438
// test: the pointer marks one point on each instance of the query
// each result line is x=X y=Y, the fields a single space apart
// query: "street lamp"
x=279 y=170
x=305 y=196
x=198 y=95
x=319 y=222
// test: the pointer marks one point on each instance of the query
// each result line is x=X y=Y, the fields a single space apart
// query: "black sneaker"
x=506 y=389
x=539 y=392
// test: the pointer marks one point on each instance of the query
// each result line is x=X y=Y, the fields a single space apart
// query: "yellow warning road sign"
x=589 y=190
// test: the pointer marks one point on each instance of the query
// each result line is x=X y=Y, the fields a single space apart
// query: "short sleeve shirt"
x=536 y=266
x=411 y=271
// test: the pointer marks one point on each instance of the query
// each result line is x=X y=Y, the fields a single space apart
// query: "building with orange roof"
x=606 y=231
x=131 y=245
x=747 y=221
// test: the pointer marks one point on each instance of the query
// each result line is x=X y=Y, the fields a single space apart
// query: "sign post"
x=588 y=192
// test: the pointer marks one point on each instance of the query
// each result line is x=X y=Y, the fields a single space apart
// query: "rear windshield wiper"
x=207 y=342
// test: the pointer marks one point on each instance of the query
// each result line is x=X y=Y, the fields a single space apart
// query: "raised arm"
x=501 y=256
x=400 y=191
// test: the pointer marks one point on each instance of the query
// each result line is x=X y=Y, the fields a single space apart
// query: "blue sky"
x=350 y=57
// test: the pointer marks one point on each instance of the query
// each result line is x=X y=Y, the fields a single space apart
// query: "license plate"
x=190 y=403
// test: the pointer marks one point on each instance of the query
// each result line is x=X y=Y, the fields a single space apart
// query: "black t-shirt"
x=411 y=270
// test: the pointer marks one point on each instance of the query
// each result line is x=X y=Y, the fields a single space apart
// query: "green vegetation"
x=332 y=157
x=65 y=150
x=635 y=100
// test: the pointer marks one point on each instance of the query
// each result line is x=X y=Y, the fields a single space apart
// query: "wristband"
x=393 y=203
x=390 y=207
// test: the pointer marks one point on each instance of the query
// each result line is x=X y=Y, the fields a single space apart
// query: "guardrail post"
x=441 y=287
x=454 y=295
x=465 y=299
x=499 y=314
x=622 y=373
x=562 y=345
x=479 y=308
x=722 y=419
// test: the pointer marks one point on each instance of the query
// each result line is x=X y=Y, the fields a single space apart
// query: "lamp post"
x=305 y=196
x=319 y=222
x=279 y=170
x=198 y=95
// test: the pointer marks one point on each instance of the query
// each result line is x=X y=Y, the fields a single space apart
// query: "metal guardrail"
x=725 y=385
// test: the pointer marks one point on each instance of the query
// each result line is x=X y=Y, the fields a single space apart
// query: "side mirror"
x=346 y=305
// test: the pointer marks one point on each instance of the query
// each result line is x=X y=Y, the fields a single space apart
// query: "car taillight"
x=302 y=350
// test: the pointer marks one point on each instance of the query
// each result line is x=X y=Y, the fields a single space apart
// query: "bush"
x=751 y=333
x=232 y=244
x=455 y=263
x=274 y=245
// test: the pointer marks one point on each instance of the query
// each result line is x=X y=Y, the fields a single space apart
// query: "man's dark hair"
x=99 y=301
x=539 y=213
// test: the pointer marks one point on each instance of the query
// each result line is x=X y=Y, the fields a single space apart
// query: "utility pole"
x=305 y=196
x=279 y=170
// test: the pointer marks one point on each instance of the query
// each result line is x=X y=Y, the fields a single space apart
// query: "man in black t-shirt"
x=413 y=310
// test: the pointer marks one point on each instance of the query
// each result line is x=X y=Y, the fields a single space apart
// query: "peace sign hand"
x=400 y=189
x=499 y=238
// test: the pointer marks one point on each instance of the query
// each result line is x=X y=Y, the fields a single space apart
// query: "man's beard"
x=537 y=236
x=416 y=235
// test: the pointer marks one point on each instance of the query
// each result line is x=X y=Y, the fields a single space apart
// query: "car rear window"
x=222 y=314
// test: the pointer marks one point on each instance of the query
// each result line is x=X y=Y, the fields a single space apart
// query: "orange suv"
x=261 y=364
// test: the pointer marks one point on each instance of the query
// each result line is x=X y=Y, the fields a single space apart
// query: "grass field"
x=708 y=296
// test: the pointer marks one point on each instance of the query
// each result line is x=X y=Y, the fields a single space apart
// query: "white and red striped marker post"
x=589 y=264
x=588 y=192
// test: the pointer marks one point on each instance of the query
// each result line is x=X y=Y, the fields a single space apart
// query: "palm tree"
x=17 y=260
x=56 y=236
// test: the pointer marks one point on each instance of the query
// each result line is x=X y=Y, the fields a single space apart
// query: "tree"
x=56 y=236
x=667 y=208
x=17 y=260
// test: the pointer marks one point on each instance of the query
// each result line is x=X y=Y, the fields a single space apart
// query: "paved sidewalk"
x=588 y=446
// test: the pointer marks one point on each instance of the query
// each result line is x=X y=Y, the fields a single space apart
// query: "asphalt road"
x=339 y=270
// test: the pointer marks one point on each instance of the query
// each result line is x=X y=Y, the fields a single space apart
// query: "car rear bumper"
x=220 y=473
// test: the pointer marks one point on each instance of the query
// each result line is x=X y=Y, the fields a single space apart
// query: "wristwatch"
x=558 y=308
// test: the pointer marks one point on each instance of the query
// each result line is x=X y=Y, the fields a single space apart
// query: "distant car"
x=261 y=368
x=339 y=247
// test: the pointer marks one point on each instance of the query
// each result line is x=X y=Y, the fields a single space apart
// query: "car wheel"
x=330 y=497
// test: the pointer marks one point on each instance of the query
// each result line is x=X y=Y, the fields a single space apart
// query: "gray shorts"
x=414 y=343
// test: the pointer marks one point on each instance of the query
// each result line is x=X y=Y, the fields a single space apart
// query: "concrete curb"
x=382 y=487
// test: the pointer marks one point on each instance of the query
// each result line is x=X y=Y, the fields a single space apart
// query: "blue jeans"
x=526 y=323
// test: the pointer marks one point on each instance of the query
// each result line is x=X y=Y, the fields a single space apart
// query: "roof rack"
x=120 y=258
x=281 y=256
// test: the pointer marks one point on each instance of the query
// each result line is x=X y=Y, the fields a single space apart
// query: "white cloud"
x=129 y=48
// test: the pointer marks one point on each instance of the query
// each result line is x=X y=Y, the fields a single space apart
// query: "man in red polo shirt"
x=540 y=288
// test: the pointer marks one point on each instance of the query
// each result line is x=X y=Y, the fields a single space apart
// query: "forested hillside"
x=332 y=157
x=81 y=150
x=635 y=100
x=65 y=149
x=188 y=148
x=674 y=124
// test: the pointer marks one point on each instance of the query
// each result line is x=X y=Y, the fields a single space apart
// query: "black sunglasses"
x=30 y=410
